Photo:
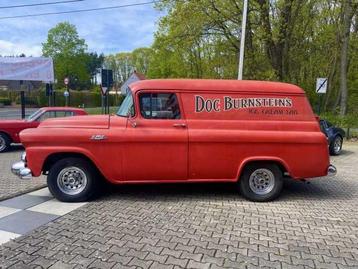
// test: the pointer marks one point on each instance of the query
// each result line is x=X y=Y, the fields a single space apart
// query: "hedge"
x=5 y=101
x=76 y=99
x=347 y=121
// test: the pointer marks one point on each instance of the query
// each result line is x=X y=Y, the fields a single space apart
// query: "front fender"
x=36 y=157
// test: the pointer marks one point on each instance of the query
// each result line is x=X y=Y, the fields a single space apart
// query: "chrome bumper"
x=332 y=170
x=19 y=169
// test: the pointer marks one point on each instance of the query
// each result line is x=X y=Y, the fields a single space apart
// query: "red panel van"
x=250 y=132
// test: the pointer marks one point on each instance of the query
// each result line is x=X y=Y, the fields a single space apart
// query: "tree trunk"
x=331 y=75
x=347 y=19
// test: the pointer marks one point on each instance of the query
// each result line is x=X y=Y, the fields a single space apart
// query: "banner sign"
x=26 y=68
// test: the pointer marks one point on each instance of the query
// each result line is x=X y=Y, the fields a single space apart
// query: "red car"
x=253 y=133
x=10 y=129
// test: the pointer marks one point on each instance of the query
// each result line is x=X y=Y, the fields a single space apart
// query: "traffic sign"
x=104 y=90
x=106 y=78
x=321 y=85
x=66 y=81
x=66 y=93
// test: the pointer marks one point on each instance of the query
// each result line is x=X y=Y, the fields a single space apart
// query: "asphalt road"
x=14 y=113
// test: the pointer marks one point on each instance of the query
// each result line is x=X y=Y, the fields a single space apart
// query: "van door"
x=156 y=145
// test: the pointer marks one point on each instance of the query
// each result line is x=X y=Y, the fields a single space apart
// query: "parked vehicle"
x=10 y=129
x=250 y=132
x=335 y=136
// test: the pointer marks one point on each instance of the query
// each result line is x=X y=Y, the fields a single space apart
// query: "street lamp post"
x=242 y=41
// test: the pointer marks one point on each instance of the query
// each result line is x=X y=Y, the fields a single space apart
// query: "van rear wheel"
x=72 y=180
x=261 y=182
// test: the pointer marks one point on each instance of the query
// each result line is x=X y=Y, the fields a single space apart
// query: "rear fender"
x=271 y=159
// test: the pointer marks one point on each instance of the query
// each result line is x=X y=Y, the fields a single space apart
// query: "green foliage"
x=85 y=99
x=71 y=60
x=5 y=101
x=347 y=121
x=98 y=110
x=63 y=40
x=291 y=41
x=125 y=63
x=78 y=99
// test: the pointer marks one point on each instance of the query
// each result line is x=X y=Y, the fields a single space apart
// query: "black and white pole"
x=242 y=41
x=66 y=93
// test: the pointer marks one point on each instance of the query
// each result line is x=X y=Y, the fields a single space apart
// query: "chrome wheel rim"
x=262 y=181
x=72 y=180
x=337 y=145
x=2 y=143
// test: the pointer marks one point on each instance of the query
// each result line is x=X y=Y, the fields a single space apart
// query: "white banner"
x=26 y=68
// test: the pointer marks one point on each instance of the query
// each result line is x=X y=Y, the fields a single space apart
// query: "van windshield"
x=127 y=107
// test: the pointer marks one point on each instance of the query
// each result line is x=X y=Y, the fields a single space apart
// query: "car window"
x=159 y=106
x=127 y=106
x=59 y=114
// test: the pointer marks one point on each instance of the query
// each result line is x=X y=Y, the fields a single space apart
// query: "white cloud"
x=8 y=48
x=106 y=32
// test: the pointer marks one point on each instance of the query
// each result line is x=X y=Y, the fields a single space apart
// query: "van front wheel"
x=72 y=180
x=261 y=182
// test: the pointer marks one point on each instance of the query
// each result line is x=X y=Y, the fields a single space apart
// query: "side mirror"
x=131 y=118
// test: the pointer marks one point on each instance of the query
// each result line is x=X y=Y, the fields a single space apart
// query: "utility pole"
x=242 y=41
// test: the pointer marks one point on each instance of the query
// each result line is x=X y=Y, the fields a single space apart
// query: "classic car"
x=253 y=133
x=335 y=136
x=10 y=129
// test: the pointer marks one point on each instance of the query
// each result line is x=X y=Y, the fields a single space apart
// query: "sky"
x=107 y=31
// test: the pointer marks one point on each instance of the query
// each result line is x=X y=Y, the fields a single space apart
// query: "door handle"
x=182 y=125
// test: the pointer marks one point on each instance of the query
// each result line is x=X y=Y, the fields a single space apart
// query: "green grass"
x=98 y=110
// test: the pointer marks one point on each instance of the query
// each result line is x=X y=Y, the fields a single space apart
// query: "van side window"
x=159 y=106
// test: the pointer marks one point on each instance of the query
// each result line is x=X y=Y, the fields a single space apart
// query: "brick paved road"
x=203 y=226
x=11 y=185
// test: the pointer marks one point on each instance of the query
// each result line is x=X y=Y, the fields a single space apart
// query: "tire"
x=335 y=148
x=5 y=142
x=72 y=180
x=261 y=182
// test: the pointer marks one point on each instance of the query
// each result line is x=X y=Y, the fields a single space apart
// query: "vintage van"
x=254 y=133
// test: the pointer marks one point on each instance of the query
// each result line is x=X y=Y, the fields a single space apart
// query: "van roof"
x=215 y=85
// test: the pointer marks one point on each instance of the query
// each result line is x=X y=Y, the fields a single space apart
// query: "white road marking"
x=55 y=207
x=6 y=211
x=7 y=236
x=41 y=192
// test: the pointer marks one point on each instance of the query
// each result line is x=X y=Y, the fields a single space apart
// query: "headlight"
x=23 y=157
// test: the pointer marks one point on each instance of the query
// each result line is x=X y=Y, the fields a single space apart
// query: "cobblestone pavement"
x=203 y=226
x=10 y=185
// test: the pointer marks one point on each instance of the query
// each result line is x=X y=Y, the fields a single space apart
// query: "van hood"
x=87 y=122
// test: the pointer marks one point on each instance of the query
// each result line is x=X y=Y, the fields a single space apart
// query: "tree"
x=68 y=51
x=287 y=40
x=125 y=63
x=94 y=61
x=63 y=39
x=346 y=29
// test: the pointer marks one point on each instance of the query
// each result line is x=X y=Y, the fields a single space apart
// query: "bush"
x=5 y=101
x=79 y=99
x=347 y=121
